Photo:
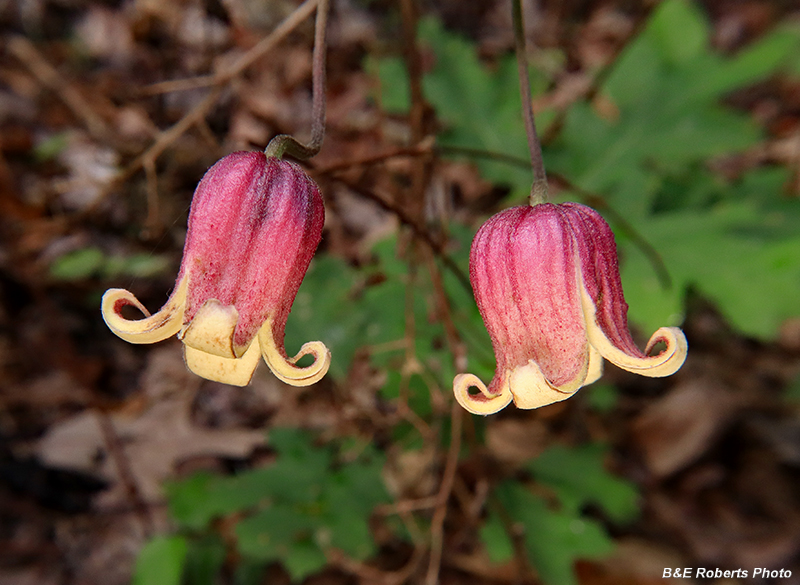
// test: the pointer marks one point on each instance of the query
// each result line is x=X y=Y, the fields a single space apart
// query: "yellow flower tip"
x=531 y=389
x=233 y=371
x=483 y=402
x=166 y=323
x=595 y=368
x=663 y=364
x=672 y=358
x=285 y=369
x=211 y=330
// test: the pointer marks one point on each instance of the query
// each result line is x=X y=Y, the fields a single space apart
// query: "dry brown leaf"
x=682 y=425
x=154 y=440
x=514 y=441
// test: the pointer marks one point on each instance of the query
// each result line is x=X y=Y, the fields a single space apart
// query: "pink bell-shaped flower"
x=254 y=225
x=546 y=280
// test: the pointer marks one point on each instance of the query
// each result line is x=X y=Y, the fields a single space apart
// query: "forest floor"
x=100 y=150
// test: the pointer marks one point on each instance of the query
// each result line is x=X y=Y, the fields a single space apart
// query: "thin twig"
x=446 y=316
x=517 y=543
x=263 y=47
x=199 y=111
x=126 y=475
x=420 y=175
x=624 y=226
x=599 y=79
x=404 y=506
x=371 y=574
x=419 y=231
x=539 y=188
x=502 y=157
x=458 y=351
x=165 y=138
x=439 y=515
x=425 y=147
x=46 y=74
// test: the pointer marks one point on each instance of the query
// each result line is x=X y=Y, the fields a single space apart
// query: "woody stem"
x=286 y=144
x=539 y=188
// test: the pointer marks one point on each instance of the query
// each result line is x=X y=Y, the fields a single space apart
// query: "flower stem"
x=286 y=144
x=539 y=188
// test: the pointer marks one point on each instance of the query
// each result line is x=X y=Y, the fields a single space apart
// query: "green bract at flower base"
x=546 y=280
x=254 y=226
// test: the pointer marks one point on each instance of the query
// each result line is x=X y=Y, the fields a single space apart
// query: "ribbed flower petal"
x=254 y=225
x=546 y=281
x=599 y=268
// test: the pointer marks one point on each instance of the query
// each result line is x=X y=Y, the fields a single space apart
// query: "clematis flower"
x=254 y=225
x=546 y=281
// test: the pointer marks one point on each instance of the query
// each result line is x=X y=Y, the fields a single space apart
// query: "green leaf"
x=792 y=393
x=136 y=265
x=320 y=311
x=394 y=90
x=161 y=561
x=303 y=559
x=744 y=257
x=553 y=540
x=270 y=534
x=759 y=60
x=294 y=508
x=579 y=478
x=93 y=262
x=78 y=265
x=189 y=503
x=351 y=494
x=333 y=307
x=249 y=572
x=51 y=147
x=479 y=104
x=601 y=397
x=679 y=29
x=204 y=561
x=495 y=538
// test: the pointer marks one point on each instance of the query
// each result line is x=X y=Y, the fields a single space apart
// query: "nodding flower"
x=546 y=281
x=254 y=225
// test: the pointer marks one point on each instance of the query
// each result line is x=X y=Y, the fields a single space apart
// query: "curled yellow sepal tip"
x=483 y=403
x=661 y=365
x=239 y=371
x=166 y=323
x=285 y=369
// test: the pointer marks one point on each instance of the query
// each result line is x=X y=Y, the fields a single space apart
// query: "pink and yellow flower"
x=254 y=225
x=546 y=281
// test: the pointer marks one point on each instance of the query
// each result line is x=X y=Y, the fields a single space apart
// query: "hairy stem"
x=539 y=188
x=286 y=144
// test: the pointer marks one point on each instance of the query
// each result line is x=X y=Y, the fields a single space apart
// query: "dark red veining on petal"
x=600 y=269
x=254 y=226
x=524 y=274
